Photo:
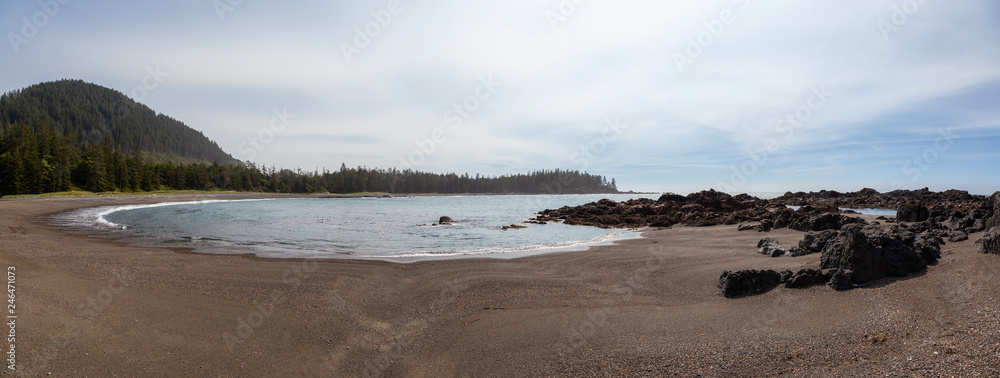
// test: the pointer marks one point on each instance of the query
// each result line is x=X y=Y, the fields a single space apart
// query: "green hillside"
x=89 y=113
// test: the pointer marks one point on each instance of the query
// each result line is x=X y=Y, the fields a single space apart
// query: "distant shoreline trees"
x=35 y=160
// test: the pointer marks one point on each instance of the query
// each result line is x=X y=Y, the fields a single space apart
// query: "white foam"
x=96 y=216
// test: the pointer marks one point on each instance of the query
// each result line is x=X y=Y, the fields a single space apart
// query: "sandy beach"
x=90 y=306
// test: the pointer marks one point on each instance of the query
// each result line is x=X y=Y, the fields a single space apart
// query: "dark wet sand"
x=94 y=307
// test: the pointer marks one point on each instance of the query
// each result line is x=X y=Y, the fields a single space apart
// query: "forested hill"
x=89 y=113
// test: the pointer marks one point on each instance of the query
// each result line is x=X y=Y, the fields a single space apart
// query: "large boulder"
x=912 y=213
x=815 y=241
x=770 y=247
x=840 y=280
x=748 y=282
x=957 y=236
x=928 y=245
x=994 y=221
x=873 y=252
x=990 y=242
x=808 y=218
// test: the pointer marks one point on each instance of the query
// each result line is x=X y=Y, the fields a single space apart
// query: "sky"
x=681 y=96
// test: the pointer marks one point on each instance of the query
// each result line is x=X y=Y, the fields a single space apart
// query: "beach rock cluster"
x=875 y=251
x=706 y=208
x=856 y=254
x=770 y=247
x=735 y=284
x=870 y=198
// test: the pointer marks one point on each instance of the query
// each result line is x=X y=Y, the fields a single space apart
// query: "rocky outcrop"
x=806 y=277
x=445 y=220
x=770 y=247
x=808 y=218
x=874 y=251
x=815 y=241
x=958 y=236
x=748 y=282
x=870 y=198
x=994 y=221
x=912 y=213
x=839 y=280
x=990 y=243
x=707 y=208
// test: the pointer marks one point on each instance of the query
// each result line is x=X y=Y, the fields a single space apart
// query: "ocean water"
x=883 y=212
x=394 y=229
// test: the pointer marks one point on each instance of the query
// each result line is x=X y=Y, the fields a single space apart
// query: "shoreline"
x=643 y=306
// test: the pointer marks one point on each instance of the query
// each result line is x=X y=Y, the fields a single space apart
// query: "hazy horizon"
x=739 y=96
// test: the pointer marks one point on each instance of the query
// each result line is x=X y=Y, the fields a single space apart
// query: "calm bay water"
x=395 y=229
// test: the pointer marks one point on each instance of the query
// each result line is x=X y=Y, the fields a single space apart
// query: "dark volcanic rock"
x=990 y=242
x=928 y=245
x=785 y=276
x=873 y=252
x=912 y=213
x=870 y=198
x=840 y=280
x=814 y=241
x=445 y=220
x=808 y=218
x=796 y=252
x=770 y=247
x=806 y=277
x=958 y=236
x=994 y=221
x=747 y=282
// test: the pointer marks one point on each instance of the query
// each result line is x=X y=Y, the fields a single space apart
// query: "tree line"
x=40 y=159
